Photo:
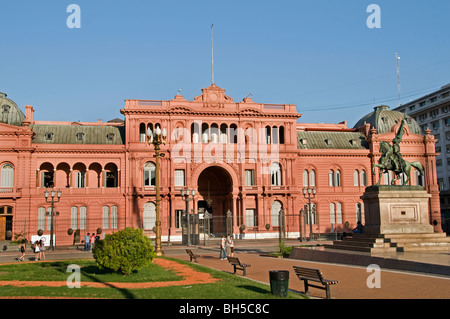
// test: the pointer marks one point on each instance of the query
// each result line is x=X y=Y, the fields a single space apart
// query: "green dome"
x=10 y=112
x=383 y=118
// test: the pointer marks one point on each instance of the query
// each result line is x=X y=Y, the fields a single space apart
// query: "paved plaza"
x=394 y=283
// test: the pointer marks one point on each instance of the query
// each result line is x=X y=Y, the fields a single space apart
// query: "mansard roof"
x=309 y=140
x=78 y=134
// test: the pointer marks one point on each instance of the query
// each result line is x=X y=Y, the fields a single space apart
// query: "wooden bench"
x=310 y=274
x=191 y=254
x=238 y=265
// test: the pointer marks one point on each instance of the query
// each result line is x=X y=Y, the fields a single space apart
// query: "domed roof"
x=383 y=119
x=10 y=112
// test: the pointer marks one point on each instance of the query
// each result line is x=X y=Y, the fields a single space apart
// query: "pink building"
x=247 y=159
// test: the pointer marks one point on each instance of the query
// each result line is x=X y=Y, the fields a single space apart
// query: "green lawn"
x=228 y=287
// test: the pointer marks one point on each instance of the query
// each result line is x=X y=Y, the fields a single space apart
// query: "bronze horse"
x=392 y=161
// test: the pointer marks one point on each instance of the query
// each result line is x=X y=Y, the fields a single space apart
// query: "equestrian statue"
x=392 y=160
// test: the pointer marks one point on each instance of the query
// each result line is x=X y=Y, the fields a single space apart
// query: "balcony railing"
x=8 y=192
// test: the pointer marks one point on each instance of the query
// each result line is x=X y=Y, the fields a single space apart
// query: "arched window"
x=309 y=178
x=331 y=178
x=223 y=133
x=205 y=133
x=233 y=134
x=305 y=178
x=41 y=218
x=355 y=178
x=334 y=178
x=419 y=178
x=214 y=133
x=359 y=213
x=268 y=135
x=313 y=214
x=114 y=217
x=7 y=176
x=195 y=133
x=281 y=135
x=336 y=213
x=105 y=217
x=363 y=178
x=149 y=174
x=275 y=135
x=338 y=178
x=142 y=133
x=275 y=213
x=83 y=217
x=149 y=215
x=74 y=217
x=275 y=174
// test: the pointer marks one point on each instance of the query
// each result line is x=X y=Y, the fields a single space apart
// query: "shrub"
x=124 y=252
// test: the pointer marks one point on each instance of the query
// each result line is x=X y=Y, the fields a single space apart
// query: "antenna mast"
x=397 y=60
x=212 y=54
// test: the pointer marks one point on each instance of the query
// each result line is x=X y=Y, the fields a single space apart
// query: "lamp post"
x=309 y=193
x=185 y=195
x=52 y=213
x=157 y=138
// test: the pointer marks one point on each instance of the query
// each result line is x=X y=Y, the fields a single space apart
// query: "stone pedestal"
x=396 y=210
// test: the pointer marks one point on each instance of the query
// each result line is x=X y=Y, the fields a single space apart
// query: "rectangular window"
x=80 y=178
x=250 y=218
x=74 y=218
x=83 y=217
x=179 y=177
x=105 y=217
x=47 y=180
x=114 y=217
x=249 y=177
x=41 y=218
x=178 y=215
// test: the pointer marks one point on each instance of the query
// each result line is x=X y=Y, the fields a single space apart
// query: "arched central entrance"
x=215 y=188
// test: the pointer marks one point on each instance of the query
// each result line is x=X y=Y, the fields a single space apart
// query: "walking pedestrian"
x=37 y=251
x=222 y=248
x=22 y=250
x=41 y=250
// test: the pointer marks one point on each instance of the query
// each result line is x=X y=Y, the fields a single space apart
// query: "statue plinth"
x=396 y=210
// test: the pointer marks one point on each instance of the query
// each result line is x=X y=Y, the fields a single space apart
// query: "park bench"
x=310 y=274
x=236 y=263
x=191 y=254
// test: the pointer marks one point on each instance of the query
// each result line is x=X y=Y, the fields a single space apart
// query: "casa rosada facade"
x=245 y=160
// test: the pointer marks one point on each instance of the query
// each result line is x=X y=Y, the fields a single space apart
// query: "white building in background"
x=432 y=112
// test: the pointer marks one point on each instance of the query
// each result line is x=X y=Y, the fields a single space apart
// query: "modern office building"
x=432 y=112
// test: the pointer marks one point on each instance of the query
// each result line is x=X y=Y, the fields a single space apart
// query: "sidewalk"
x=395 y=284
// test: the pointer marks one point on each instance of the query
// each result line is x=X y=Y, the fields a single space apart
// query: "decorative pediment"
x=250 y=111
x=213 y=97
x=180 y=109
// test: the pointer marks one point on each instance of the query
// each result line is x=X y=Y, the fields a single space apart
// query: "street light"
x=309 y=193
x=52 y=213
x=157 y=138
x=185 y=196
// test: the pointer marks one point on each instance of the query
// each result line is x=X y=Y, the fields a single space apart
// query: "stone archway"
x=215 y=195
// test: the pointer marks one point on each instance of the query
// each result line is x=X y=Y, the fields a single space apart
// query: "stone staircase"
x=392 y=242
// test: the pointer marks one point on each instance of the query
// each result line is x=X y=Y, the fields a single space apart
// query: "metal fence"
x=174 y=229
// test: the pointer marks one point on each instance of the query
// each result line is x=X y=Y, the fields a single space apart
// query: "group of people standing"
x=89 y=241
x=226 y=247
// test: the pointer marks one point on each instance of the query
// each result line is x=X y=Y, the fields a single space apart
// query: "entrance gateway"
x=215 y=197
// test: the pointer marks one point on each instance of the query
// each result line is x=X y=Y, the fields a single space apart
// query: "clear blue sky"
x=319 y=55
